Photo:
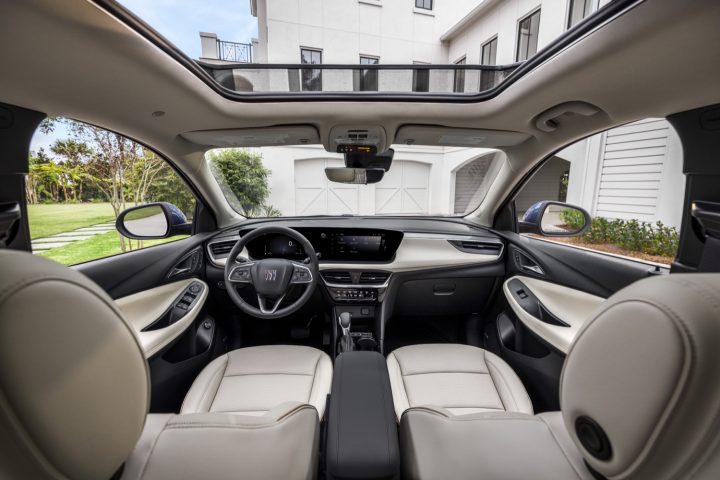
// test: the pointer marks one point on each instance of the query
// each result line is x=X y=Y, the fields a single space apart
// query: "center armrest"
x=362 y=435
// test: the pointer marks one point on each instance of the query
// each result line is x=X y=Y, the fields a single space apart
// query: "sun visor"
x=256 y=137
x=457 y=137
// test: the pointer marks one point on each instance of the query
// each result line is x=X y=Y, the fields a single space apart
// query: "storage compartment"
x=537 y=365
x=443 y=296
x=174 y=369
x=362 y=438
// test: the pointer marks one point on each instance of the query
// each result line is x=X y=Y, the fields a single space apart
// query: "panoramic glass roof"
x=258 y=50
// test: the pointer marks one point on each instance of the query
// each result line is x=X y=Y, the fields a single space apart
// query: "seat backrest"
x=640 y=391
x=74 y=385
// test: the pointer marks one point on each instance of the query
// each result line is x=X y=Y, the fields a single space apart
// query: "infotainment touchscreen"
x=346 y=245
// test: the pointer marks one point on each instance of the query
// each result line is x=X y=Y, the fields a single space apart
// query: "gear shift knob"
x=344 y=320
x=346 y=343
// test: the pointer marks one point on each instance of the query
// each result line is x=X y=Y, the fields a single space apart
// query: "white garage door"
x=315 y=195
x=404 y=189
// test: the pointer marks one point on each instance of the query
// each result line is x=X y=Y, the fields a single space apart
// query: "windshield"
x=291 y=181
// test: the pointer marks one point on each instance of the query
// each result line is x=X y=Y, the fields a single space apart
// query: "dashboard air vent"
x=477 y=246
x=336 y=276
x=374 y=278
x=221 y=249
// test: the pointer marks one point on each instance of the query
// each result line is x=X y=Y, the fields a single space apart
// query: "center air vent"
x=337 y=276
x=374 y=278
x=221 y=249
x=477 y=246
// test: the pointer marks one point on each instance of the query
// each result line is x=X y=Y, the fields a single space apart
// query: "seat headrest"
x=74 y=385
x=640 y=391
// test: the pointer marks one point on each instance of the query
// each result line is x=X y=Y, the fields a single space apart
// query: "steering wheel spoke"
x=301 y=274
x=241 y=273
x=262 y=303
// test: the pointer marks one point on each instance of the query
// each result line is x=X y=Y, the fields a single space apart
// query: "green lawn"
x=98 y=246
x=46 y=220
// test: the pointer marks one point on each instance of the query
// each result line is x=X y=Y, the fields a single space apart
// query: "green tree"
x=242 y=178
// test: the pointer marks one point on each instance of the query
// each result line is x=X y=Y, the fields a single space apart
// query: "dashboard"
x=391 y=244
x=330 y=244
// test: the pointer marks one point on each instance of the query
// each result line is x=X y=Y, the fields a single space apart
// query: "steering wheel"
x=271 y=277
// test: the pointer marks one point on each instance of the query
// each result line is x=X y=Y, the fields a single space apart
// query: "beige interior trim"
x=143 y=308
x=420 y=253
x=569 y=305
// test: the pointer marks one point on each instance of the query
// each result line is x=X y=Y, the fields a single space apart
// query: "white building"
x=618 y=174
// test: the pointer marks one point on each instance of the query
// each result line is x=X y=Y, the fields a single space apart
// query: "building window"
x=488 y=56
x=421 y=78
x=580 y=9
x=311 y=79
x=489 y=52
x=366 y=80
x=424 y=4
x=459 y=78
x=528 y=30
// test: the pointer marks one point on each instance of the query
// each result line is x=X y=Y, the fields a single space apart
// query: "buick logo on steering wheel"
x=270 y=275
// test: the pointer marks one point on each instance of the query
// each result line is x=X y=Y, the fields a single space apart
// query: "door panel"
x=559 y=277
x=591 y=272
x=132 y=272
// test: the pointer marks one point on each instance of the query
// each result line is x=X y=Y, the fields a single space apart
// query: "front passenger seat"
x=640 y=397
x=74 y=395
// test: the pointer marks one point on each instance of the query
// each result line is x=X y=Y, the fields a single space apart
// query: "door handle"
x=533 y=268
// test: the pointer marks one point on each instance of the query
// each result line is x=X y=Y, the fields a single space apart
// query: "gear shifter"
x=346 y=343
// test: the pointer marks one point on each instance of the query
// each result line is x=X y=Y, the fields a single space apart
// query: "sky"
x=181 y=21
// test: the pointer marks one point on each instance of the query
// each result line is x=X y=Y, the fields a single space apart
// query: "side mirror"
x=152 y=220
x=555 y=219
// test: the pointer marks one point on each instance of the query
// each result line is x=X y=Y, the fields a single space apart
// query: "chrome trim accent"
x=475 y=239
x=261 y=304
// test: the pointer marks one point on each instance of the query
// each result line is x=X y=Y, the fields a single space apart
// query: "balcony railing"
x=414 y=79
x=234 y=52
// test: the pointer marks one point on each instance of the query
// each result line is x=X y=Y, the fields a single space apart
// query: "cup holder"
x=366 y=344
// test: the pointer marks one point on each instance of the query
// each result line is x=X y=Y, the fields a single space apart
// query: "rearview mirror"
x=361 y=176
x=555 y=219
x=152 y=220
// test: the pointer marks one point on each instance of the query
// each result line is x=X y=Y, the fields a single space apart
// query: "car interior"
x=360 y=347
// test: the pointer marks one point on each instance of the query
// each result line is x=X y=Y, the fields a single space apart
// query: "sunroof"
x=417 y=79
x=377 y=50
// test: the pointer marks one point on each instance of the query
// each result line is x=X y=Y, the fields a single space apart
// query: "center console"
x=362 y=436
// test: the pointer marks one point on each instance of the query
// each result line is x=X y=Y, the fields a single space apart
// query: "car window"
x=629 y=179
x=81 y=177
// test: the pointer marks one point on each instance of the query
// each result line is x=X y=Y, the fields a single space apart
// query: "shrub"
x=573 y=218
x=634 y=235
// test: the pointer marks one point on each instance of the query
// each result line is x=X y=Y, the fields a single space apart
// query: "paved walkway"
x=65 y=238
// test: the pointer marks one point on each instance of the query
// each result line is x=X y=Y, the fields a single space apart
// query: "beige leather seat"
x=640 y=396
x=74 y=394
x=460 y=379
x=252 y=381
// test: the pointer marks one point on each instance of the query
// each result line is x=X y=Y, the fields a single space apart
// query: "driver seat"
x=75 y=392
x=254 y=380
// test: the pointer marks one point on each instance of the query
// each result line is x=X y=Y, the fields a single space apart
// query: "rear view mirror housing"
x=152 y=221
x=555 y=219
x=357 y=176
